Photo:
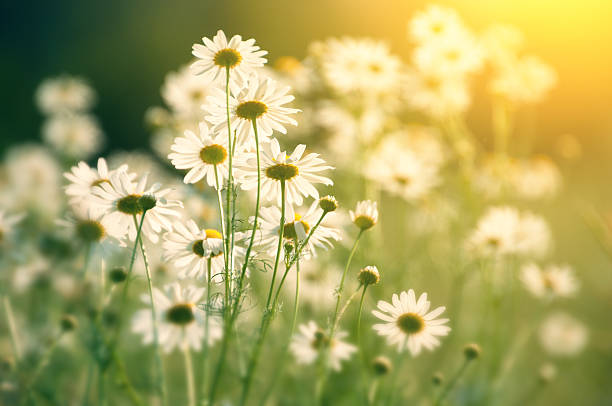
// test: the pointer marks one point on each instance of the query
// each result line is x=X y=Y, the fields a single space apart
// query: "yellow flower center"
x=364 y=222
x=282 y=171
x=410 y=323
x=181 y=314
x=129 y=204
x=90 y=230
x=227 y=58
x=290 y=231
x=250 y=110
x=213 y=154
x=98 y=182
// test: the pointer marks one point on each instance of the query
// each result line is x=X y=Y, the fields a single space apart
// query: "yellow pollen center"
x=227 y=58
x=410 y=323
x=251 y=110
x=213 y=154
x=282 y=171
x=290 y=231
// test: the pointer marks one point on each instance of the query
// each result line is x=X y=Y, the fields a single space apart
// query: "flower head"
x=298 y=171
x=563 y=335
x=311 y=340
x=551 y=281
x=218 y=55
x=64 y=94
x=181 y=322
x=203 y=154
x=260 y=100
x=409 y=323
x=365 y=215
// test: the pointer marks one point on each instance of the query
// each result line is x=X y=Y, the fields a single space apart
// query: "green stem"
x=10 y=319
x=341 y=287
x=206 y=326
x=161 y=384
x=230 y=192
x=268 y=311
x=452 y=382
x=189 y=377
x=360 y=346
x=42 y=363
x=90 y=372
x=101 y=387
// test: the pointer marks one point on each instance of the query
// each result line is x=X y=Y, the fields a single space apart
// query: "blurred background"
x=125 y=48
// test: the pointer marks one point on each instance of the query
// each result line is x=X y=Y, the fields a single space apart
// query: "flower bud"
x=68 y=322
x=471 y=351
x=117 y=275
x=147 y=202
x=369 y=276
x=382 y=366
x=328 y=204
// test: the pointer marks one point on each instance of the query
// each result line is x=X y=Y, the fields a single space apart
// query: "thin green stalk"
x=268 y=311
x=230 y=192
x=101 y=387
x=90 y=373
x=42 y=363
x=360 y=346
x=236 y=307
x=10 y=319
x=87 y=256
x=452 y=382
x=285 y=350
x=161 y=384
x=221 y=215
x=189 y=377
x=206 y=327
x=279 y=248
x=341 y=287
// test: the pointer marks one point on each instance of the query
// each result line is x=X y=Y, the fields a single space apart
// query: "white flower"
x=297 y=226
x=504 y=230
x=90 y=228
x=434 y=23
x=435 y=95
x=214 y=57
x=563 y=335
x=525 y=80
x=308 y=343
x=298 y=171
x=190 y=248
x=317 y=284
x=74 y=135
x=451 y=56
x=502 y=43
x=181 y=323
x=84 y=179
x=360 y=65
x=185 y=93
x=34 y=177
x=120 y=202
x=64 y=94
x=260 y=99
x=537 y=178
x=201 y=154
x=549 y=282
x=409 y=323
x=365 y=215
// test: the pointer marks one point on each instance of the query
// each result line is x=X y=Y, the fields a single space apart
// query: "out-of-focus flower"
x=299 y=172
x=434 y=23
x=92 y=229
x=65 y=94
x=502 y=43
x=190 y=249
x=83 y=179
x=549 y=282
x=360 y=65
x=365 y=215
x=436 y=96
x=204 y=155
x=317 y=284
x=504 y=230
x=185 y=93
x=568 y=147
x=77 y=136
x=181 y=323
x=259 y=99
x=454 y=56
x=537 y=178
x=311 y=340
x=563 y=335
x=7 y=222
x=120 y=202
x=409 y=324
x=525 y=80
x=298 y=223
x=217 y=56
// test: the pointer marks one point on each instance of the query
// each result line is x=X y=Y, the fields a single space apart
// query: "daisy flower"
x=120 y=200
x=317 y=284
x=298 y=171
x=181 y=323
x=219 y=54
x=365 y=215
x=362 y=65
x=298 y=223
x=189 y=248
x=453 y=56
x=435 y=95
x=91 y=228
x=64 y=94
x=308 y=343
x=185 y=93
x=563 y=335
x=83 y=179
x=201 y=154
x=259 y=99
x=74 y=135
x=434 y=23
x=409 y=323
x=525 y=80
x=549 y=282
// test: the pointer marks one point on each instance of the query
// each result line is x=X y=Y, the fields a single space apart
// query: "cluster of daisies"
x=232 y=229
